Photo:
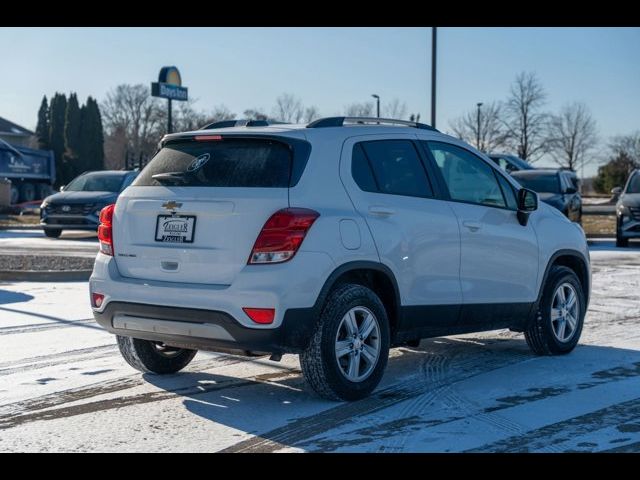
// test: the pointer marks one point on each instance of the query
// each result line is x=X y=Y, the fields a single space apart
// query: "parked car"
x=628 y=210
x=554 y=187
x=336 y=241
x=77 y=206
x=510 y=163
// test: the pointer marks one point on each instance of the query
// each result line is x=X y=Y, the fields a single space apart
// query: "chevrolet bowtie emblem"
x=171 y=205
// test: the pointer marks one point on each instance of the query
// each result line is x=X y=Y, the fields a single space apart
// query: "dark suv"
x=628 y=210
x=558 y=188
x=77 y=206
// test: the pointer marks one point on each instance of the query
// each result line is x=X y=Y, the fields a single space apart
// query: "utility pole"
x=479 y=104
x=169 y=123
x=434 y=33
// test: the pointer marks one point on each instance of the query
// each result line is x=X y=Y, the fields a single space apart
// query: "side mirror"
x=527 y=203
x=571 y=190
x=62 y=188
x=616 y=191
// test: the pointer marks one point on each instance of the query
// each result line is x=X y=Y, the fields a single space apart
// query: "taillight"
x=105 y=230
x=282 y=235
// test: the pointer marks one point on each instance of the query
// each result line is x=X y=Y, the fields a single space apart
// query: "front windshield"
x=541 y=183
x=634 y=184
x=96 y=182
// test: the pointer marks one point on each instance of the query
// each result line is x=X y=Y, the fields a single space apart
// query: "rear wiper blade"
x=172 y=178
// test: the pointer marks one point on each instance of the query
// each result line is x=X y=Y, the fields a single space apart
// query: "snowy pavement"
x=64 y=387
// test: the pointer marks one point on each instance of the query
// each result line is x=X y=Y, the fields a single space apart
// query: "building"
x=15 y=134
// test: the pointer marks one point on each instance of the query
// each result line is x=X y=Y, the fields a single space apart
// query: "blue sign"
x=169 y=85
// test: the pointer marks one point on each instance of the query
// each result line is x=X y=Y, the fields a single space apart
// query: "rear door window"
x=390 y=166
x=231 y=162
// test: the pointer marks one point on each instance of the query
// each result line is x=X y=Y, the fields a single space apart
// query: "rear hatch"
x=194 y=213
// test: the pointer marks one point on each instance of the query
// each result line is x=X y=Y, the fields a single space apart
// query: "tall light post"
x=377 y=97
x=434 y=34
x=479 y=104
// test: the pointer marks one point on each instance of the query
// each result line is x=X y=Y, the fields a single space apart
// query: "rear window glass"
x=224 y=163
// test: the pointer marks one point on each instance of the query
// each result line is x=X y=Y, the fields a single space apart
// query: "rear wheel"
x=620 y=240
x=348 y=352
x=154 y=357
x=52 y=232
x=558 y=323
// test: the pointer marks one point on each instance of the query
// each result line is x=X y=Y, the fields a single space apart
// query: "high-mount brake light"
x=207 y=138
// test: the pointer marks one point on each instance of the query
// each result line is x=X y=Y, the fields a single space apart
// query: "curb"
x=45 y=275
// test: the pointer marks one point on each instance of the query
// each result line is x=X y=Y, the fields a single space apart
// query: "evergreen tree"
x=42 y=129
x=91 y=136
x=57 y=112
x=73 y=165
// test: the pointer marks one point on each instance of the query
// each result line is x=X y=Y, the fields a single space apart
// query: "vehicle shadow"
x=7 y=296
x=280 y=411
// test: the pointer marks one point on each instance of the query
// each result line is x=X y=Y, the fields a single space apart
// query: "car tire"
x=545 y=334
x=622 y=242
x=352 y=375
x=154 y=357
x=52 y=232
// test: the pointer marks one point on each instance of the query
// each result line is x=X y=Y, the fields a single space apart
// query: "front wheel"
x=154 y=357
x=557 y=325
x=347 y=355
x=52 y=232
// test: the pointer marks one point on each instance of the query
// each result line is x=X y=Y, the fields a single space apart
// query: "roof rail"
x=240 y=123
x=340 y=121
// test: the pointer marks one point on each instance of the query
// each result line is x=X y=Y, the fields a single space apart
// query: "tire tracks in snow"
x=51 y=406
x=300 y=432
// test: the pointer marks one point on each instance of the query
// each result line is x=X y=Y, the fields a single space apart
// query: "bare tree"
x=311 y=113
x=394 y=109
x=132 y=110
x=364 y=109
x=525 y=122
x=288 y=109
x=255 y=114
x=487 y=135
x=572 y=135
x=628 y=145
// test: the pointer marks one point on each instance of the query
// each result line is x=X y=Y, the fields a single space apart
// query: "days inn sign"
x=169 y=85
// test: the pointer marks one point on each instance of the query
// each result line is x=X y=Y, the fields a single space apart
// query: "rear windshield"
x=542 y=183
x=222 y=163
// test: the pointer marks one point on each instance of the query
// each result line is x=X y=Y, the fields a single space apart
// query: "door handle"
x=473 y=226
x=381 y=211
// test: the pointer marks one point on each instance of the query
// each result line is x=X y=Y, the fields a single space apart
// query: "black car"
x=78 y=204
x=628 y=210
x=509 y=163
x=555 y=187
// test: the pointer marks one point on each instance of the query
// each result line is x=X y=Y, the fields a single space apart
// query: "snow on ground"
x=64 y=387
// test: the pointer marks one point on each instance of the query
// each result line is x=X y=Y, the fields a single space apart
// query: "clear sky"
x=329 y=67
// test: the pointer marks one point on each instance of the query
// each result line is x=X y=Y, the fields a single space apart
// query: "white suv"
x=335 y=241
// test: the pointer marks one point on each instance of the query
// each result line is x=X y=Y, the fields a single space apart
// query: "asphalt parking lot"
x=64 y=386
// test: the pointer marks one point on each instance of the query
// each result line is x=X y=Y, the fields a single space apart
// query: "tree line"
x=522 y=125
x=74 y=132
x=135 y=121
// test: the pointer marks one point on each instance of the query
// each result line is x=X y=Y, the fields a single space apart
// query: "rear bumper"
x=206 y=329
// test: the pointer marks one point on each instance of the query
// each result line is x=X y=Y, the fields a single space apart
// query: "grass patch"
x=11 y=220
x=599 y=224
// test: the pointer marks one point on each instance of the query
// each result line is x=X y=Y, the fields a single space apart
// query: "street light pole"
x=479 y=104
x=377 y=97
x=434 y=33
